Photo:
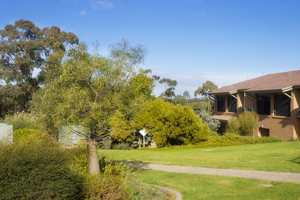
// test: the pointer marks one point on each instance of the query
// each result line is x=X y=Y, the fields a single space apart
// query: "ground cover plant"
x=281 y=157
x=207 y=187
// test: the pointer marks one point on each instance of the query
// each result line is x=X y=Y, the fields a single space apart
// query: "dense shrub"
x=245 y=124
x=120 y=128
x=23 y=120
x=233 y=126
x=110 y=184
x=227 y=140
x=170 y=124
x=121 y=146
x=248 y=122
x=24 y=132
x=213 y=133
x=206 y=118
x=36 y=168
x=105 y=187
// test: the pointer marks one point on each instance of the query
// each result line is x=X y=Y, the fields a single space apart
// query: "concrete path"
x=272 y=176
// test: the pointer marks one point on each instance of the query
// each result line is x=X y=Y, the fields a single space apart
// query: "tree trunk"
x=93 y=160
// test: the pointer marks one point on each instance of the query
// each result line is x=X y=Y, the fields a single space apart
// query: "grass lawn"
x=196 y=187
x=282 y=156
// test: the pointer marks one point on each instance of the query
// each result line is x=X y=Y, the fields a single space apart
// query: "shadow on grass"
x=137 y=164
x=296 y=160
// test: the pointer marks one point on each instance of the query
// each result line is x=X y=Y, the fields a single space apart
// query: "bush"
x=22 y=120
x=248 y=122
x=213 y=133
x=227 y=140
x=244 y=124
x=105 y=187
x=106 y=143
x=24 y=132
x=206 y=118
x=121 y=146
x=233 y=126
x=37 y=168
x=170 y=124
x=111 y=184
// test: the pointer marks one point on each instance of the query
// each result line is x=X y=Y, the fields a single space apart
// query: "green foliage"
x=120 y=128
x=213 y=133
x=206 y=87
x=24 y=132
x=206 y=118
x=142 y=191
x=121 y=146
x=90 y=89
x=23 y=120
x=24 y=48
x=198 y=106
x=105 y=187
x=204 y=90
x=248 y=123
x=226 y=140
x=233 y=126
x=169 y=92
x=168 y=124
x=112 y=184
x=105 y=143
x=245 y=124
x=37 y=168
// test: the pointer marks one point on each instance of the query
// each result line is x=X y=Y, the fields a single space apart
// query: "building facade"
x=274 y=97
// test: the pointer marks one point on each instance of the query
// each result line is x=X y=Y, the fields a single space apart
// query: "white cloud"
x=83 y=12
x=96 y=4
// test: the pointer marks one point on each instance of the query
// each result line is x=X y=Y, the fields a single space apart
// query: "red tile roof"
x=269 y=82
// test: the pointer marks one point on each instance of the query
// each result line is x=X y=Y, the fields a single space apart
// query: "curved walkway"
x=272 y=176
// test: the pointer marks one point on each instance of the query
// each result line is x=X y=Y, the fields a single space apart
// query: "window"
x=231 y=104
x=282 y=105
x=220 y=103
x=263 y=104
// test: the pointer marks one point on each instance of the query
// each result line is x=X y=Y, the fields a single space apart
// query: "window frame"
x=224 y=103
x=263 y=104
x=232 y=104
x=283 y=97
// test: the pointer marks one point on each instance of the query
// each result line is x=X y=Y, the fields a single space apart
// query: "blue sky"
x=191 y=41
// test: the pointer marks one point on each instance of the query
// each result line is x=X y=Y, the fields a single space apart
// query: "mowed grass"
x=282 y=157
x=194 y=187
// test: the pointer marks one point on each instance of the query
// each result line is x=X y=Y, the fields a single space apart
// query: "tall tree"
x=204 y=90
x=170 y=91
x=27 y=53
x=90 y=90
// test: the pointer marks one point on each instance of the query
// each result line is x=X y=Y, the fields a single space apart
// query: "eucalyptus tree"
x=27 y=54
x=89 y=90
x=169 y=93
x=204 y=90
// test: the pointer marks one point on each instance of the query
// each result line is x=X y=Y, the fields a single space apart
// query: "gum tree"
x=204 y=90
x=25 y=49
x=89 y=90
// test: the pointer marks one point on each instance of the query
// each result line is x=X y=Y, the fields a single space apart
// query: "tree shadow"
x=136 y=164
x=296 y=160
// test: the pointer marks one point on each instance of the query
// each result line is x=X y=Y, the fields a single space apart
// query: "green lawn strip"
x=202 y=187
x=281 y=157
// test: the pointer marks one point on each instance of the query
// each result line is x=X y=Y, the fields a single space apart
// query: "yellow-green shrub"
x=245 y=124
x=23 y=120
x=35 y=167
x=170 y=124
x=105 y=187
